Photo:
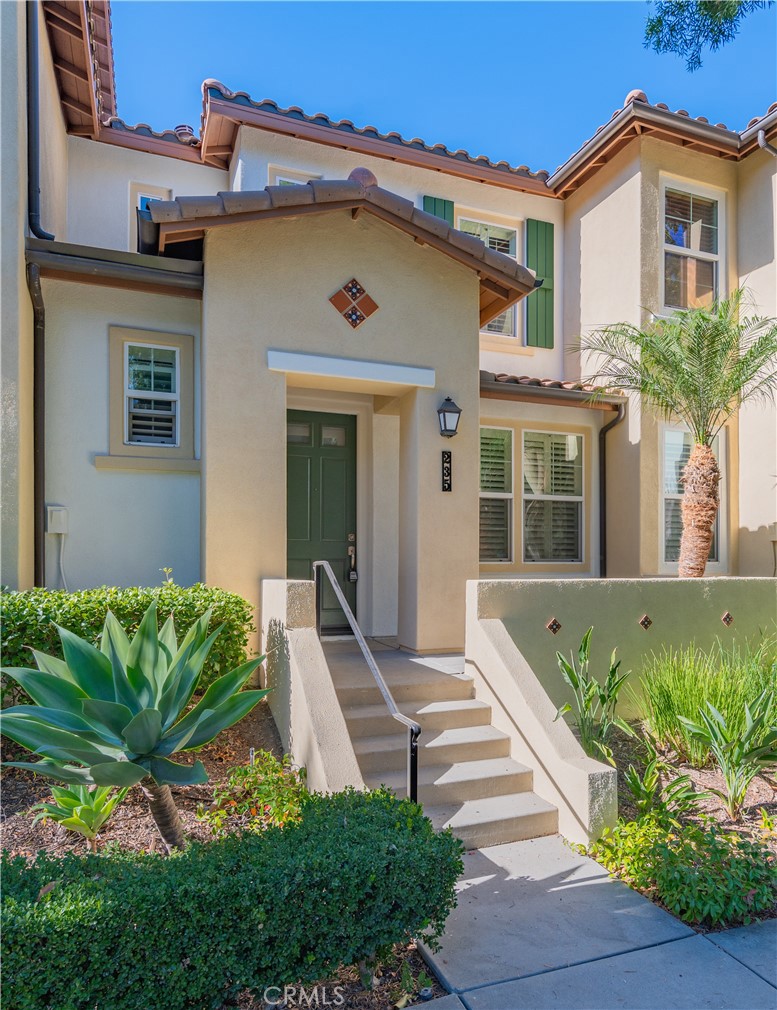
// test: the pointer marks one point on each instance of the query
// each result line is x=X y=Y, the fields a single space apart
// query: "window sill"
x=160 y=464
x=513 y=345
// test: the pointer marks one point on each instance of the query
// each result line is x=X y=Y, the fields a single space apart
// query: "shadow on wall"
x=278 y=679
x=758 y=551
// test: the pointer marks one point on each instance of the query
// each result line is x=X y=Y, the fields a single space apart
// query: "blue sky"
x=523 y=81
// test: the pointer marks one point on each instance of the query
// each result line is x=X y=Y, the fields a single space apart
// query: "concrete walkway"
x=539 y=926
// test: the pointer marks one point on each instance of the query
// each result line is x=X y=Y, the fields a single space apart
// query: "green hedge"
x=28 y=619
x=358 y=873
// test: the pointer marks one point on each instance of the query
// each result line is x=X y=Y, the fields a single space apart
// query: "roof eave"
x=493 y=389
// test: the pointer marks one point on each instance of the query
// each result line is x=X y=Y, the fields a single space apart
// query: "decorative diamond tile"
x=353 y=303
x=353 y=289
x=354 y=316
x=645 y=621
x=553 y=626
x=727 y=619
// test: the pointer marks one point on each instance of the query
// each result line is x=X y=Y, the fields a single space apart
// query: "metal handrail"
x=413 y=729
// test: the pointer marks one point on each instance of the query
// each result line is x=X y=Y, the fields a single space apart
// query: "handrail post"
x=412 y=764
x=319 y=576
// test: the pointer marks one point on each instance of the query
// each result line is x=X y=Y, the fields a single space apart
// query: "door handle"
x=353 y=575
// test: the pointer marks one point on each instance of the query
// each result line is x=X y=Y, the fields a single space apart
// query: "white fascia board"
x=350 y=368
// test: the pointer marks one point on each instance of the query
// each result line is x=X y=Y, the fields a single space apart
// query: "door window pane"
x=332 y=436
x=298 y=433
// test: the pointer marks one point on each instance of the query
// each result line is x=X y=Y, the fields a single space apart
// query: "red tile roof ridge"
x=347 y=126
x=530 y=380
x=116 y=123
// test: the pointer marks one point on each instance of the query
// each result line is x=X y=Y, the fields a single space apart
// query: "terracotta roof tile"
x=348 y=191
x=220 y=90
x=530 y=380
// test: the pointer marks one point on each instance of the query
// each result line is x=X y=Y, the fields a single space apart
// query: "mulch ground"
x=131 y=827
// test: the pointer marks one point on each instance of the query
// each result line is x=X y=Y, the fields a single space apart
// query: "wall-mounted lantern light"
x=448 y=414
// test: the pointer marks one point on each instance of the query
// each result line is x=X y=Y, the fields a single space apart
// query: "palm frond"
x=699 y=366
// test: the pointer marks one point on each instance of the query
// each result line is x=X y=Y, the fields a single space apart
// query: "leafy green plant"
x=114 y=716
x=678 y=682
x=409 y=986
x=739 y=755
x=652 y=796
x=701 y=874
x=82 y=809
x=30 y=620
x=357 y=874
x=264 y=793
x=594 y=712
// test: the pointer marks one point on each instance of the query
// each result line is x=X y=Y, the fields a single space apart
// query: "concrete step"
x=376 y=720
x=466 y=780
x=378 y=754
x=496 y=819
x=356 y=686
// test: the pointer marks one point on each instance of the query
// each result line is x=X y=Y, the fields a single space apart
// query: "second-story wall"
x=262 y=157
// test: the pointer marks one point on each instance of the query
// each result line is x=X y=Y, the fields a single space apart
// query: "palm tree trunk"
x=165 y=813
x=701 y=497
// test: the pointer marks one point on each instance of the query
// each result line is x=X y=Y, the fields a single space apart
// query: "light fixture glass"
x=448 y=414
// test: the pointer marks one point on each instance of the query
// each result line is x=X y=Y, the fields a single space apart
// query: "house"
x=225 y=351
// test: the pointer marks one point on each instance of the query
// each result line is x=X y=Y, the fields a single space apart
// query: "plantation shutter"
x=677 y=451
x=553 y=492
x=539 y=304
x=440 y=208
x=496 y=479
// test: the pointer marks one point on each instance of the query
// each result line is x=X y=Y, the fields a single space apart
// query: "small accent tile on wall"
x=727 y=619
x=553 y=626
x=645 y=621
x=353 y=303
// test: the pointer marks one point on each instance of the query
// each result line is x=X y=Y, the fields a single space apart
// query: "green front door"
x=321 y=504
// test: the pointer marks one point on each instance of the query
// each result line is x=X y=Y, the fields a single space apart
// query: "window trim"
x=137 y=190
x=518 y=337
x=277 y=176
x=682 y=185
x=546 y=497
x=510 y=560
x=119 y=338
x=719 y=567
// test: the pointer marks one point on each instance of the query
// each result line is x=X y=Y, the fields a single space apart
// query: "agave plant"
x=83 y=809
x=114 y=716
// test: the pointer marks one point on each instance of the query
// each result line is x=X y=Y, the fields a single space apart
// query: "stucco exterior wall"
x=757 y=228
x=267 y=286
x=53 y=140
x=682 y=611
x=602 y=285
x=125 y=525
x=260 y=155
x=100 y=176
x=16 y=489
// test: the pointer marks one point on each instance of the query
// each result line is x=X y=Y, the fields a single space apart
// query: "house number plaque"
x=447 y=470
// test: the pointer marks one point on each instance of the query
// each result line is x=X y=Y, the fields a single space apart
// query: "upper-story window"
x=289 y=176
x=692 y=258
x=502 y=240
x=152 y=390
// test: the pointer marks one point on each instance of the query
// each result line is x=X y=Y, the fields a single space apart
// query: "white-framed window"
x=552 y=497
x=289 y=176
x=496 y=495
x=501 y=239
x=692 y=225
x=151 y=394
x=676 y=445
x=141 y=194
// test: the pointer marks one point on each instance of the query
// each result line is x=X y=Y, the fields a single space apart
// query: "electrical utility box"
x=56 y=519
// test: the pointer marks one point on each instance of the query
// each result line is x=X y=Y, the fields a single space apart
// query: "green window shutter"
x=539 y=304
x=440 y=208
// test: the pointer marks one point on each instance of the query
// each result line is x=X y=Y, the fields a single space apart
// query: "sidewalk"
x=539 y=926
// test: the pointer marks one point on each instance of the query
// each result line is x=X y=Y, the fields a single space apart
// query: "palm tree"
x=699 y=366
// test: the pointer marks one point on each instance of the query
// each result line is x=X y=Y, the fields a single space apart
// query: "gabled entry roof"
x=503 y=282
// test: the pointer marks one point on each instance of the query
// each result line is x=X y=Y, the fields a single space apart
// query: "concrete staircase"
x=466 y=778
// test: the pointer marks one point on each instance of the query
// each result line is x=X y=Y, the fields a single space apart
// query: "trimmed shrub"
x=702 y=874
x=28 y=620
x=358 y=873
